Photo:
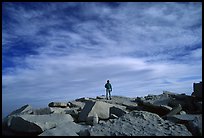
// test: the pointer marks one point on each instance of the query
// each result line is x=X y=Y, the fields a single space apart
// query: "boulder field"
x=167 y=114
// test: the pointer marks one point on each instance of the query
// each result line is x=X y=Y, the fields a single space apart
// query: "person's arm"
x=111 y=87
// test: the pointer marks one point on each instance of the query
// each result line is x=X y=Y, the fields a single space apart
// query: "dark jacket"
x=108 y=86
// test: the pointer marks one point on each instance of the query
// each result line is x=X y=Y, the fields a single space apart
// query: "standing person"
x=108 y=90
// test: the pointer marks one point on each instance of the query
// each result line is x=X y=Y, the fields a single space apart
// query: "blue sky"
x=62 y=51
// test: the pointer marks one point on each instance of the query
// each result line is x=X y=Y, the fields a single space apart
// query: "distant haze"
x=63 y=51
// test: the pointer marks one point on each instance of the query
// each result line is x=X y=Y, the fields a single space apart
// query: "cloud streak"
x=63 y=51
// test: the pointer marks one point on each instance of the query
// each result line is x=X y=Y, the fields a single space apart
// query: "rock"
x=117 y=111
x=69 y=104
x=42 y=111
x=78 y=104
x=161 y=110
x=102 y=109
x=85 y=111
x=91 y=108
x=131 y=108
x=197 y=90
x=84 y=132
x=140 y=100
x=113 y=116
x=95 y=119
x=120 y=116
x=58 y=110
x=139 y=123
x=195 y=126
x=162 y=99
x=37 y=123
x=192 y=121
x=92 y=120
x=182 y=113
x=26 y=109
x=158 y=104
x=101 y=97
x=83 y=99
x=199 y=107
x=169 y=93
x=123 y=101
x=64 y=129
x=166 y=107
x=74 y=112
x=57 y=104
x=187 y=103
x=175 y=110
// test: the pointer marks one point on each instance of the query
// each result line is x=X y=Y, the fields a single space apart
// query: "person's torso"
x=108 y=86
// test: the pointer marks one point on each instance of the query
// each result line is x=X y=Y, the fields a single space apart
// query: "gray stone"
x=59 y=110
x=197 y=90
x=37 y=123
x=64 y=129
x=192 y=121
x=95 y=119
x=102 y=109
x=117 y=111
x=132 y=107
x=92 y=120
x=74 y=112
x=78 y=104
x=113 y=116
x=120 y=116
x=158 y=109
x=83 y=99
x=26 y=109
x=139 y=123
x=91 y=108
x=166 y=107
x=182 y=113
x=57 y=104
x=42 y=111
x=195 y=126
x=169 y=93
x=100 y=97
x=84 y=132
x=199 y=107
x=175 y=110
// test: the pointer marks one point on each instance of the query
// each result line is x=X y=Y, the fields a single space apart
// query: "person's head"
x=107 y=81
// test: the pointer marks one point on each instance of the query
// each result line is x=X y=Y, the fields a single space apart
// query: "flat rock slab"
x=37 y=123
x=78 y=104
x=65 y=129
x=42 y=111
x=102 y=109
x=120 y=100
x=59 y=110
x=57 y=104
x=26 y=109
x=91 y=108
x=139 y=123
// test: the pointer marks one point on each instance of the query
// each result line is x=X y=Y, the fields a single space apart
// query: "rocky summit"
x=167 y=114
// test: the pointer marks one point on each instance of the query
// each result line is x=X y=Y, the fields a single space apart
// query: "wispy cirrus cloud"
x=62 y=51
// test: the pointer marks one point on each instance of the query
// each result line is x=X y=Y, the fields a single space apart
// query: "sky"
x=61 y=51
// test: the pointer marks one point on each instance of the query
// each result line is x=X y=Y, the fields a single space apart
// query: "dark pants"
x=108 y=94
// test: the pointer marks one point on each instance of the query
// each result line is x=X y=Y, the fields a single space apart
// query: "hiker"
x=108 y=90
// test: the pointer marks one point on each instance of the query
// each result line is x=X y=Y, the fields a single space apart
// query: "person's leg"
x=107 y=94
x=110 y=94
